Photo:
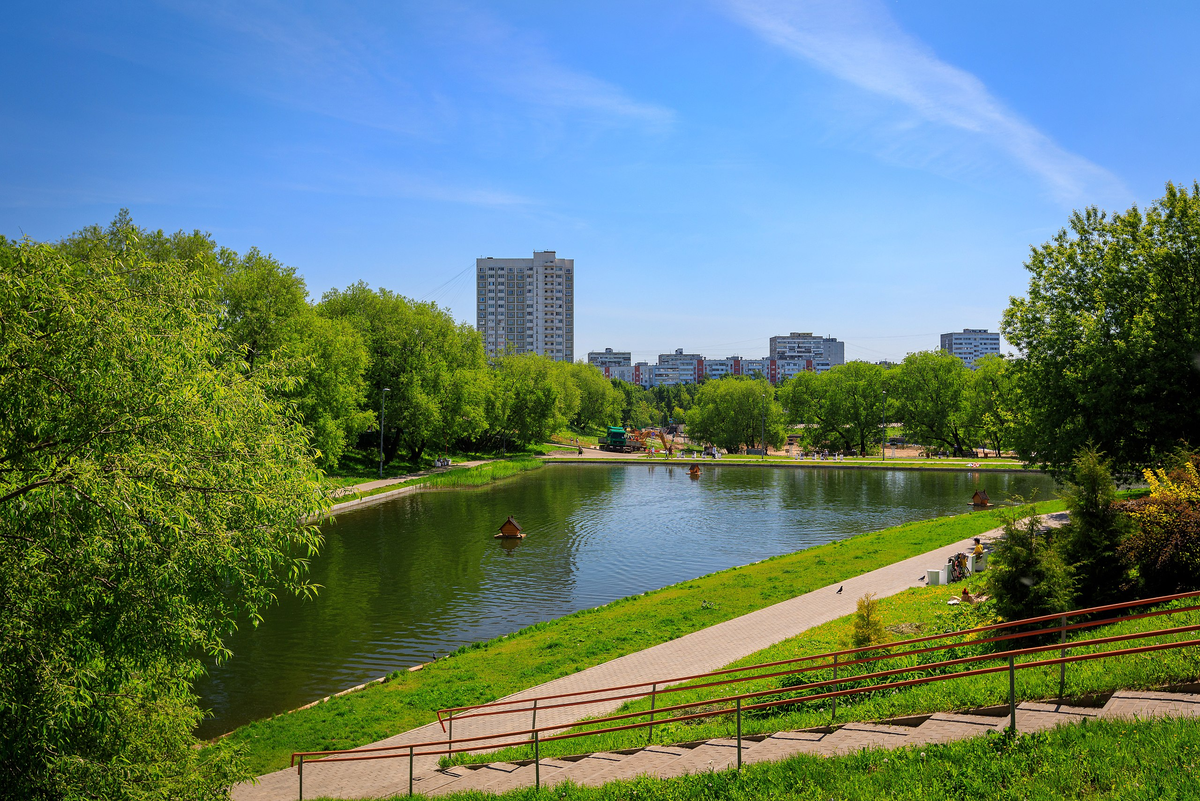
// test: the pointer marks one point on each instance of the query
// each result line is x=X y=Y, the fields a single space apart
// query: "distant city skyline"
x=719 y=172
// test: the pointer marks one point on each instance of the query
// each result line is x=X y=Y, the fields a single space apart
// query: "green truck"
x=617 y=441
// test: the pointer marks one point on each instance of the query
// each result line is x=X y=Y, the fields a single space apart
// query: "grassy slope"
x=1097 y=760
x=924 y=609
x=546 y=651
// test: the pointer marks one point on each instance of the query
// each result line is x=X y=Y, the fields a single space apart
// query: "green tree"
x=151 y=493
x=1092 y=540
x=1026 y=575
x=435 y=369
x=994 y=401
x=263 y=300
x=267 y=315
x=732 y=412
x=637 y=410
x=330 y=358
x=523 y=405
x=929 y=390
x=1109 y=333
x=842 y=407
x=268 y=320
x=600 y=403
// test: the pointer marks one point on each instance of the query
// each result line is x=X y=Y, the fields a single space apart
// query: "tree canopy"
x=842 y=408
x=434 y=368
x=930 y=390
x=1109 y=333
x=733 y=412
x=151 y=492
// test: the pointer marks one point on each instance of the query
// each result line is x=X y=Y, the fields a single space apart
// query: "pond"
x=417 y=577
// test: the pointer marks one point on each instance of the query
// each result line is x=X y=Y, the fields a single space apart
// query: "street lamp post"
x=382 y=402
x=883 y=436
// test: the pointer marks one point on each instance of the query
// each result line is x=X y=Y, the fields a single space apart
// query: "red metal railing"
x=801 y=693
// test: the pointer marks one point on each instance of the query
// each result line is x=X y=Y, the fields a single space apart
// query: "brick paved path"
x=367 y=486
x=701 y=651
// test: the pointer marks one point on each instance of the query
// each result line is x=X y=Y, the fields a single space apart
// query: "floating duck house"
x=509 y=530
x=980 y=498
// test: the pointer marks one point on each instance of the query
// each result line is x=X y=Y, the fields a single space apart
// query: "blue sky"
x=720 y=171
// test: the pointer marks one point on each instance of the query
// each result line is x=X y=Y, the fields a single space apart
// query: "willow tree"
x=152 y=493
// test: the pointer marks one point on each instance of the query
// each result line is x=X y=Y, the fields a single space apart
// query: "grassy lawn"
x=545 y=651
x=909 y=614
x=476 y=476
x=1096 y=760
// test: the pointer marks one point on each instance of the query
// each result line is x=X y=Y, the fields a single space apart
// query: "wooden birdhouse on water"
x=509 y=530
x=980 y=498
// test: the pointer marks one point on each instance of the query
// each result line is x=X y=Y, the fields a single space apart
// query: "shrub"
x=1028 y=577
x=868 y=623
x=1165 y=549
x=1091 y=542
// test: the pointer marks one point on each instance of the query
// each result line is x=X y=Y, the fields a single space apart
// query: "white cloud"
x=859 y=42
x=523 y=66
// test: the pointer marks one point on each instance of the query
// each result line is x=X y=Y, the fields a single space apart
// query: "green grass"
x=1151 y=760
x=919 y=611
x=486 y=671
x=479 y=475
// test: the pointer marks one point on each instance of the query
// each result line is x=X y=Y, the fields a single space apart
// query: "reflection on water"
x=409 y=579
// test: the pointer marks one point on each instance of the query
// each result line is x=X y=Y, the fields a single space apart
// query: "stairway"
x=664 y=761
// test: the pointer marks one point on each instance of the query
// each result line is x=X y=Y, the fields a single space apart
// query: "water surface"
x=414 y=578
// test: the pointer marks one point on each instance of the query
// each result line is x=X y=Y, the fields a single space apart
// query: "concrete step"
x=580 y=770
x=1145 y=704
x=786 y=744
x=857 y=736
x=1039 y=716
x=943 y=727
x=474 y=778
x=712 y=755
x=526 y=775
x=650 y=761
x=429 y=783
x=664 y=761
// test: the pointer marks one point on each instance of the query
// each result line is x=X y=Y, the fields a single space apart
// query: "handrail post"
x=537 y=763
x=833 y=716
x=300 y=773
x=1012 y=695
x=533 y=725
x=410 y=769
x=450 y=736
x=1062 y=666
x=739 y=732
x=653 y=698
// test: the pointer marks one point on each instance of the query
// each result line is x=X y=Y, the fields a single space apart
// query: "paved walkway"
x=367 y=486
x=701 y=651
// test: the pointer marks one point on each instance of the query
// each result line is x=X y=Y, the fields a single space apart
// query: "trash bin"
x=935 y=578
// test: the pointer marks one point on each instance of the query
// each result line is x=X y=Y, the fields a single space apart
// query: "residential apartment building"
x=971 y=344
x=527 y=305
x=824 y=352
x=610 y=358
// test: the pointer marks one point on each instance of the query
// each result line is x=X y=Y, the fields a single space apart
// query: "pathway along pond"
x=419 y=576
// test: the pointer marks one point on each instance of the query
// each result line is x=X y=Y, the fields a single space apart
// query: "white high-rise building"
x=527 y=305
x=971 y=344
